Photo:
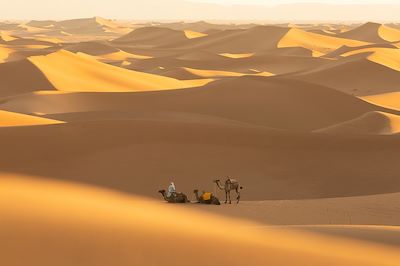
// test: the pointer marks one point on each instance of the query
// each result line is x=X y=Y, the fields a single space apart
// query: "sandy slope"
x=371 y=78
x=9 y=119
x=263 y=101
x=388 y=100
x=317 y=43
x=387 y=235
x=373 y=32
x=203 y=73
x=152 y=36
x=370 y=123
x=109 y=228
x=238 y=41
x=385 y=56
x=13 y=84
x=381 y=210
x=141 y=154
x=5 y=54
x=91 y=75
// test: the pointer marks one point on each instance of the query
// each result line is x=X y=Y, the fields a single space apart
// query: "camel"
x=178 y=197
x=230 y=184
x=206 y=198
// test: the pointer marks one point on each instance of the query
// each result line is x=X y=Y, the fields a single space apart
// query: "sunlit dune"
x=385 y=56
x=5 y=53
x=4 y=36
x=111 y=228
x=379 y=123
x=317 y=43
x=389 y=100
x=237 y=55
x=373 y=32
x=121 y=56
x=78 y=72
x=194 y=34
x=219 y=73
x=10 y=119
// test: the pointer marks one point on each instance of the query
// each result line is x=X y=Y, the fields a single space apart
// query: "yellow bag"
x=206 y=195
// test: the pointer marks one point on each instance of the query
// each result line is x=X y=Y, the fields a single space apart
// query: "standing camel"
x=230 y=184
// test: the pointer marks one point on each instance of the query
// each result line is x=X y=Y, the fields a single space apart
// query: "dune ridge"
x=370 y=123
x=388 y=100
x=93 y=76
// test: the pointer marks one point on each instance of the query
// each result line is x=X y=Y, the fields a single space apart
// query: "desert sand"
x=110 y=228
x=97 y=115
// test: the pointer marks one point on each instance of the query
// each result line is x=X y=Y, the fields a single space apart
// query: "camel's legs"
x=226 y=196
x=238 y=195
x=229 y=194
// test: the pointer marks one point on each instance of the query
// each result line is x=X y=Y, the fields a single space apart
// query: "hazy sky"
x=268 y=10
x=277 y=2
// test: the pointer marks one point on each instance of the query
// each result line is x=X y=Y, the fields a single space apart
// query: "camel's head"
x=216 y=180
x=162 y=191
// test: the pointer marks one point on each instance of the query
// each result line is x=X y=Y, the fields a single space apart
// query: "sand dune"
x=266 y=101
x=239 y=41
x=317 y=43
x=194 y=34
x=371 y=78
x=103 y=51
x=387 y=100
x=12 y=84
x=91 y=75
x=184 y=130
x=9 y=119
x=5 y=53
x=218 y=73
x=370 y=123
x=373 y=32
x=152 y=36
x=5 y=37
x=388 y=57
x=237 y=55
x=107 y=226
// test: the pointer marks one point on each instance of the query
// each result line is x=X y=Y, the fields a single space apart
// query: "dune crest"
x=219 y=73
x=319 y=44
x=373 y=32
x=82 y=73
x=375 y=123
x=388 y=57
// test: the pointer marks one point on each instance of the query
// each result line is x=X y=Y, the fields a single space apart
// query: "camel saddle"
x=206 y=196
